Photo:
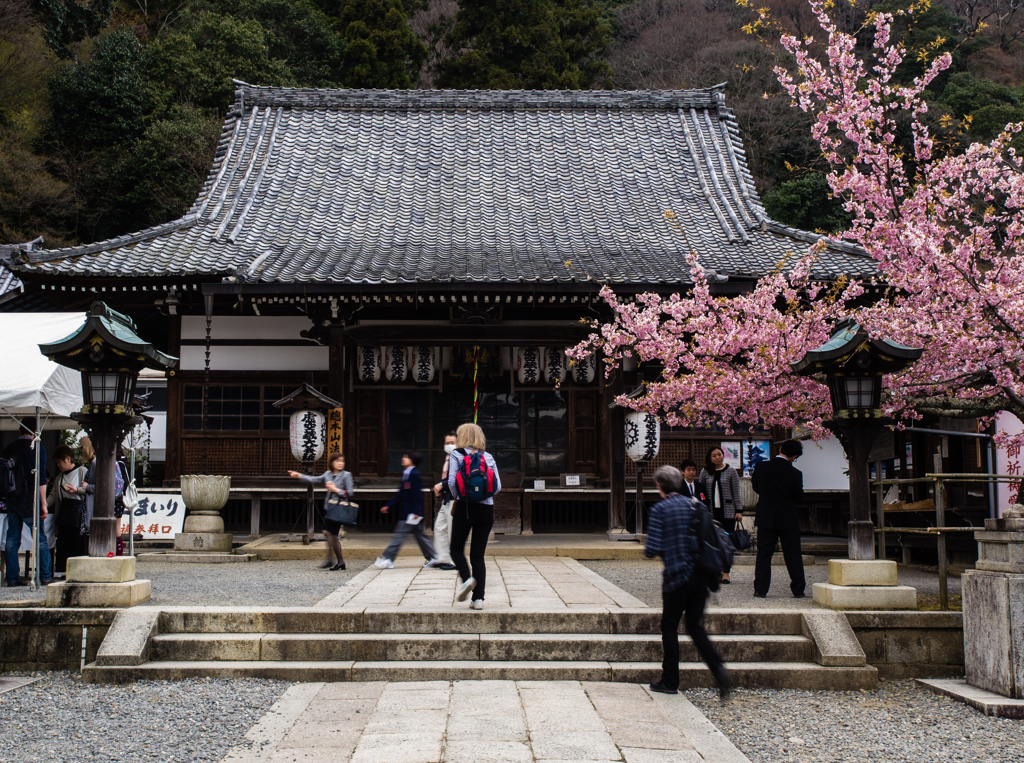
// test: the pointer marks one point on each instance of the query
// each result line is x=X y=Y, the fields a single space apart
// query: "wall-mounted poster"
x=754 y=452
x=733 y=455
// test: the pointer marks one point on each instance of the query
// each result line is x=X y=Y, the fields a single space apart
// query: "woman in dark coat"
x=722 y=488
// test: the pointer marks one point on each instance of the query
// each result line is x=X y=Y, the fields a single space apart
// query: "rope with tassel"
x=476 y=385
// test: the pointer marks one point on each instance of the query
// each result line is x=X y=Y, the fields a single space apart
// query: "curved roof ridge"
x=294 y=97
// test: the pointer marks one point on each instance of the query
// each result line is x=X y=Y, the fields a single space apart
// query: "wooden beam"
x=496 y=333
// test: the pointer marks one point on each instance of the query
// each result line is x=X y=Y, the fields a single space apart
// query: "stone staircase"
x=763 y=649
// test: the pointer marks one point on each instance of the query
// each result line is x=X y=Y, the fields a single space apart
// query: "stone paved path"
x=545 y=582
x=482 y=722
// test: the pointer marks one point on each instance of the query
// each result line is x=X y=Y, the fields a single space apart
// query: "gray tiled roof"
x=374 y=186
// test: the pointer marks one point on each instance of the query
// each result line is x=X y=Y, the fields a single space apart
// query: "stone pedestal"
x=993 y=602
x=863 y=584
x=204 y=496
x=99 y=582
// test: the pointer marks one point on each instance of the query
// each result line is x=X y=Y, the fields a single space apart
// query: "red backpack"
x=475 y=479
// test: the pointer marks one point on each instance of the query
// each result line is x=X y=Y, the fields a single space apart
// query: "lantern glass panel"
x=103 y=387
x=860 y=393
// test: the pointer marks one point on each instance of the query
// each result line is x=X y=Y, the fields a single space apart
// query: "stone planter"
x=204 y=496
x=205 y=492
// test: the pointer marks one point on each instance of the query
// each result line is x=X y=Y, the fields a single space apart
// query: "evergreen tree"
x=526 y=44
x=381 y=50
x=807 y=203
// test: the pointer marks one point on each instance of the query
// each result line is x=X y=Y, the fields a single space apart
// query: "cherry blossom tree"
x=945 y=229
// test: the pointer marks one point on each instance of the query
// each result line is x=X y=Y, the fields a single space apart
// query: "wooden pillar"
x=255 y=506
x=617 y=453
x=105 y=433
x=336 y=364
x=172 y=465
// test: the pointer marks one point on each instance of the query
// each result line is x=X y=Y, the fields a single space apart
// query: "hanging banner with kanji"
x=334 y=436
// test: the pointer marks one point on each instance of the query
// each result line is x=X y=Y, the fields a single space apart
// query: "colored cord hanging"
x=476 y=385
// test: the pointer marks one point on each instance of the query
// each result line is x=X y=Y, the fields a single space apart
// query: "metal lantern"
x=422 y=363
x=306 y=430
x=528 y=365
x=643 y=436
x=584 y=369
x=395 y=359
x=554 y=365
x=369 y=365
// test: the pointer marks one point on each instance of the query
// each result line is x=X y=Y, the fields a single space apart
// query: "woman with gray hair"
x=672 y=535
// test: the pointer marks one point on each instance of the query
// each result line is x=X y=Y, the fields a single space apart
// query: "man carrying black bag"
x=672 y=534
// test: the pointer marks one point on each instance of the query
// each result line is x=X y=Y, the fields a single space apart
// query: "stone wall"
x=50 y=639
x=911 y=644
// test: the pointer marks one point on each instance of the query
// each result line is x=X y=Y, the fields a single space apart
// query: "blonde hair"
x=470 y=436
x=88 y=453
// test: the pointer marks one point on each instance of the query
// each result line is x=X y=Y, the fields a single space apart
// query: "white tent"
x=28 y=379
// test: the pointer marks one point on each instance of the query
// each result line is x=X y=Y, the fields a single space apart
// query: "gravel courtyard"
x=270 y=584
x=898 y=723
x=60 y=718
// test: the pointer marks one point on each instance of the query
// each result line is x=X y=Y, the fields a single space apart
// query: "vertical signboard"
x=1008 y=461
x=334 y=432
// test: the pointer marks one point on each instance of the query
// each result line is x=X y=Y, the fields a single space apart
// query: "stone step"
x=773 y=622
x=463 y=647
x=750 y=675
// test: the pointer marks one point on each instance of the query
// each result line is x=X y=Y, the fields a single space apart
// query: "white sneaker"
x=466 y=589
x=384 y=564
x=478 y=604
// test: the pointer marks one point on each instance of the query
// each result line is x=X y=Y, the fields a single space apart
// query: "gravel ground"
x=899 y=723
x=643 y=580
x=60 y=718
x=271 y=584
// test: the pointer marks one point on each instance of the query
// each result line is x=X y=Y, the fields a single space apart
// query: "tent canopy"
x=28 y=378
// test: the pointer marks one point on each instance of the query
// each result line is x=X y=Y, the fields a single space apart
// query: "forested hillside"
x=110 y=110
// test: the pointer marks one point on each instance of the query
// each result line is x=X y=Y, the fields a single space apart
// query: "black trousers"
x=766 y=540
x=689 y=599
x=70 y=542
x=478 y=517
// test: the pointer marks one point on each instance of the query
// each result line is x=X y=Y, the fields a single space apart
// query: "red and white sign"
x=159 y=516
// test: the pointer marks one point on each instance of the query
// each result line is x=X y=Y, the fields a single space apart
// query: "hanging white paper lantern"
x=584 y=369
x=369 y=365
x=306 y=434
x=395 y=359
x=643 y=436
x=528 y=365
x=422 y=362
x=554 y=365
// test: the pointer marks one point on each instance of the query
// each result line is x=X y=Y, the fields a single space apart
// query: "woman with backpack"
x=722 y=488
x=473 y=480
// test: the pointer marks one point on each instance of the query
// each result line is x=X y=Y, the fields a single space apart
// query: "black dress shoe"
x=760 y=595
x=799 y=596
x=661 y=688
x=724 y=681
x=338 y=567
x=17 y=584
x=446 y=567
x=726 y=582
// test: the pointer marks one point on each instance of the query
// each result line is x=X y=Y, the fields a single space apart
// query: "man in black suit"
x=780 y=486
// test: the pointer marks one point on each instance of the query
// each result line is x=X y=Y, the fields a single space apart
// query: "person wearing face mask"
x=443 y=523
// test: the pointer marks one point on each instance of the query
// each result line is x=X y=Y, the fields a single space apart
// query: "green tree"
x=990 y=106
x=67 y=22
x=296 y=32
x=806 y=203
x=526 y=44
x=381 y=49
x=195 y=65
x=101 y=102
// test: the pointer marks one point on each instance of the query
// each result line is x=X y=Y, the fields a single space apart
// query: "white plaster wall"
x=244 y=327
x=311 y=358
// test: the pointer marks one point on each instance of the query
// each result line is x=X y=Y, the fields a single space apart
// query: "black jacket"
x=780 y=486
